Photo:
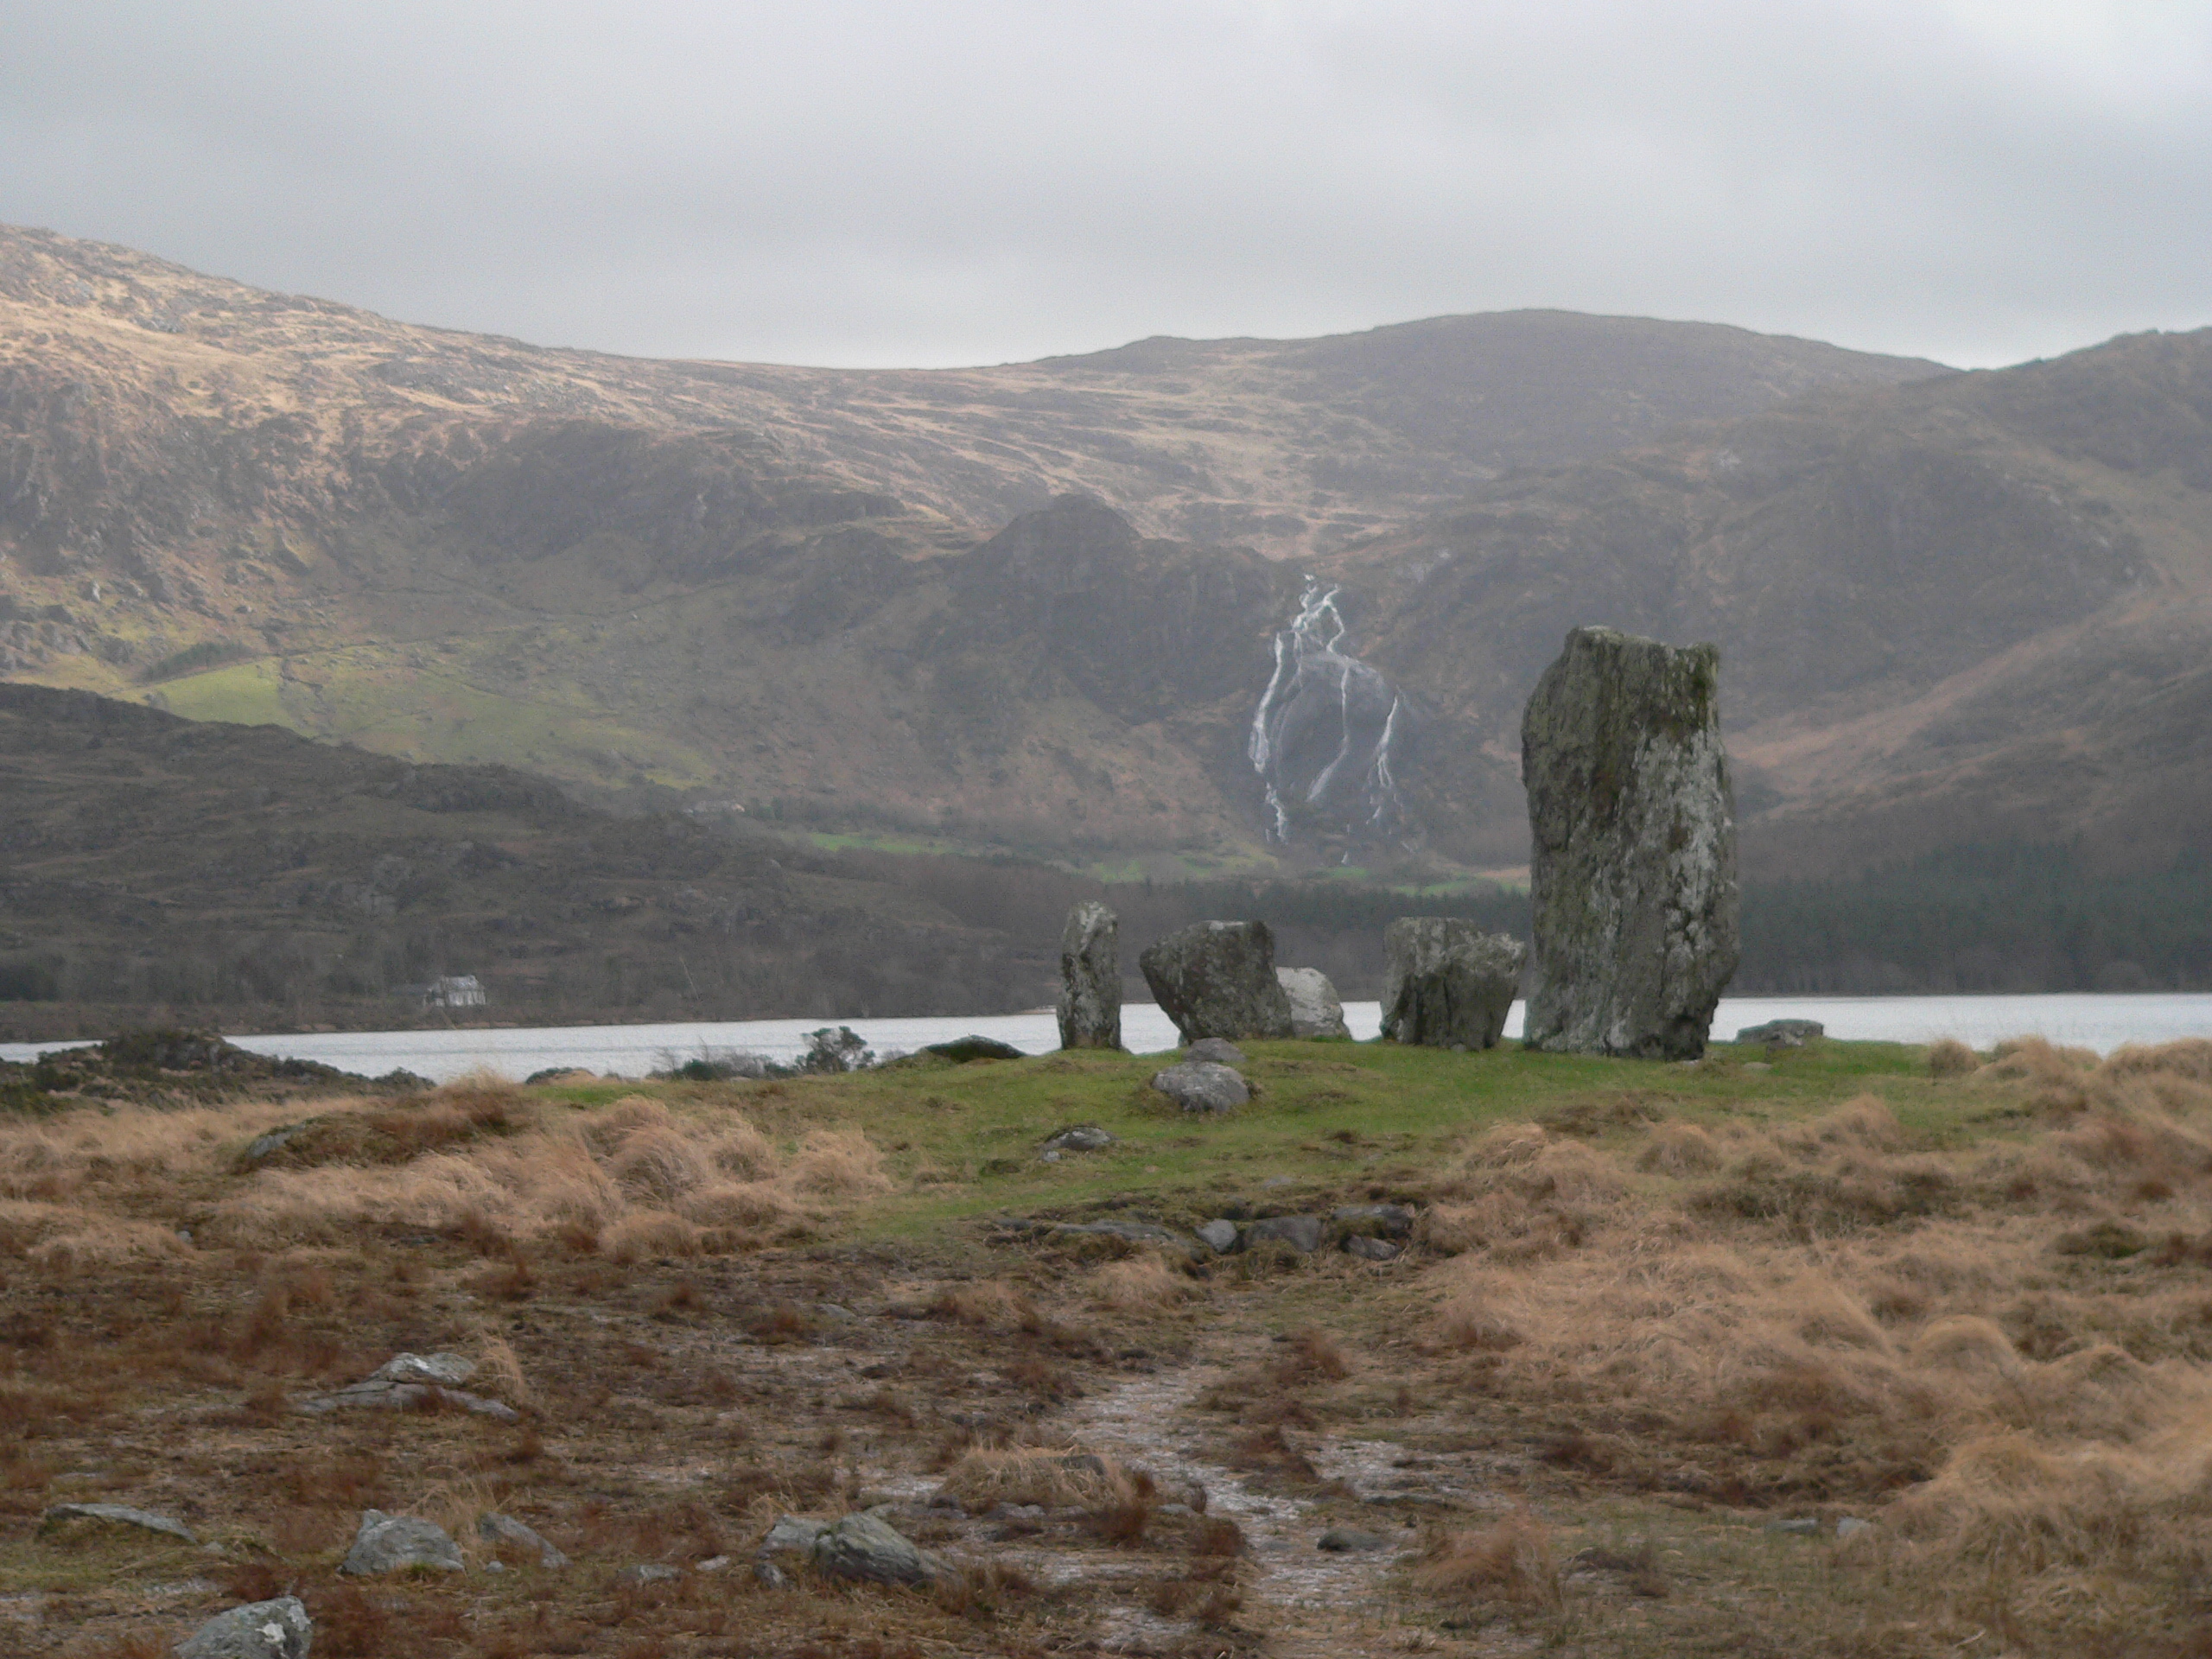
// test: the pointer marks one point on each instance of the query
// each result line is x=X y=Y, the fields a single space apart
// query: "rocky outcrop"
x=114 y=1515
x=412 y=1382
x=1632 y=877
x=1316 y=1010
x=1202 y=1086
x=1090 y=979
x=1446 y=983
x=1217 y=979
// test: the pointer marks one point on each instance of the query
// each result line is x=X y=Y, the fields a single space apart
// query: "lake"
x=2100 y=1022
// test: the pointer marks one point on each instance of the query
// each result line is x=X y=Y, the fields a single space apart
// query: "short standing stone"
x=393 y=1543
x=1316 y=1010
x=862 y=1546
x=1632 y=873
x=1202 y=1086
x=1446 y=983
x=1090 y=979
x=1217 y=979
x=260 y=1629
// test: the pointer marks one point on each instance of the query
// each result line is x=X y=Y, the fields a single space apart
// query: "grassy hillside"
x=1655 y=1330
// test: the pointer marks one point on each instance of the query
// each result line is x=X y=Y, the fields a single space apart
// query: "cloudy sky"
x=839 y=183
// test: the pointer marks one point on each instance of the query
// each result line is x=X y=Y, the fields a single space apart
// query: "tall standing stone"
x=1090 y=979
x=1446 y=983
x=1632 y=877
x=1217 y=979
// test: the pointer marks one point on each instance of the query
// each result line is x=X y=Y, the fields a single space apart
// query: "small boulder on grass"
x=260 y=1629
x=862 y=1546
x=397 y=1543
x=1202 y=1086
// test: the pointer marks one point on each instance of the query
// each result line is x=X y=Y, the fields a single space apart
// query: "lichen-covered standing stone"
x=1090 y=979
x=1217 y=979
x=1632 y=874
x=1446 y=983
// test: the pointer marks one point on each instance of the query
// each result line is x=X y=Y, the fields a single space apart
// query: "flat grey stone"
x=1382 y=1220
x=394 y=1543
x=1344 y=1540
x=495 y=1529
x=1632 y=881
x=1202 y=1086
x=1446 y=983
x=1301 y=1233
x=448 y=1371
x=1218 y=1051
x=1372 y=1249
x=865 y=1547
x=648 y=1572
x=119 y=1515
x=1089 y=1006
x=1316 y=1010
x=1783 y=1033
x=792 y=1532
x=378 y=1394
x=1083 y=1137
x=714 y=1563
x=260 y=1629
x=1219 y=1235
x=1217 y=979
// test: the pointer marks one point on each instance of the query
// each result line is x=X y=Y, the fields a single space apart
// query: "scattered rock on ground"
x=1219 y=1235
x=962 y=1050
x=1136 y=1232
x=1202 y=1086
x=1216 y=1051
x=116 y=1515
x=1783 y=1033
x=1446 y=983
x=1090 y=979
x=793 y=1533
x=1796 y=1526
x=648 y=1572
x=1376 y=1220
x=1632 y=875
x=864 y=1547
x=260 y=1629
x=1084 y=1137
x=393 y=1543
x=1316 y=1010
x=1344 y=1540
x=407 y=1381
x=1372 y=1249
x=448 y=1369
x=1301 y=1233
x=1851 y=1526
x=1217 y=979
x=495 y=1529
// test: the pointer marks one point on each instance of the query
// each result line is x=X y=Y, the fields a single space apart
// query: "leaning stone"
x=1372 y=1249
x=260 y=1629
x=1632 y=872
x=1783 y=1033
x=1084 y=1137
x=1216 y=1051
x=1344 y=1540
x=863 y=1547
x=1301 y=1233
x=1090 y=979
x=961 y=1051
x=1217 y=979
x=1219 y=1235
x=1381 y=1220
x=1202 y=1086
x=1446 y=983
x=394 y=1543
x=495 y=1529
x=116 y=1515
x=1316 y=1010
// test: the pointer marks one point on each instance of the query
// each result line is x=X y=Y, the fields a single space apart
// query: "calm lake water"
x=2100 y=1022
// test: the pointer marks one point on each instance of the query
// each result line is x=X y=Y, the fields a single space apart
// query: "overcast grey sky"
x=838 y=183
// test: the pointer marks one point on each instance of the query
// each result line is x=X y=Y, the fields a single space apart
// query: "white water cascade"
x=1323 y=734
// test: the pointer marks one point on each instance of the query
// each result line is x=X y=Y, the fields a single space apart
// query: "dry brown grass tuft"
x=1141 y=1285
x=1056 y=1477
x=1949 y=1058
x=1510 y=1560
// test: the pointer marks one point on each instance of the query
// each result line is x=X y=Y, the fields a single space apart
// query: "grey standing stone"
x=1090 y=979
x=1217 y=979
x=1218 y=1236
x=1301 y=1233
x=260 y=1629
x=1632 y=877
x=862 y=1546
x=1202 y=1086
x=1446 y=983
x=1316 y=1010
x=1219 y=1050
x=393 y=1543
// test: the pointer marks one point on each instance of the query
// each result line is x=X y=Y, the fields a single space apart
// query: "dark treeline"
x=1993 y=918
